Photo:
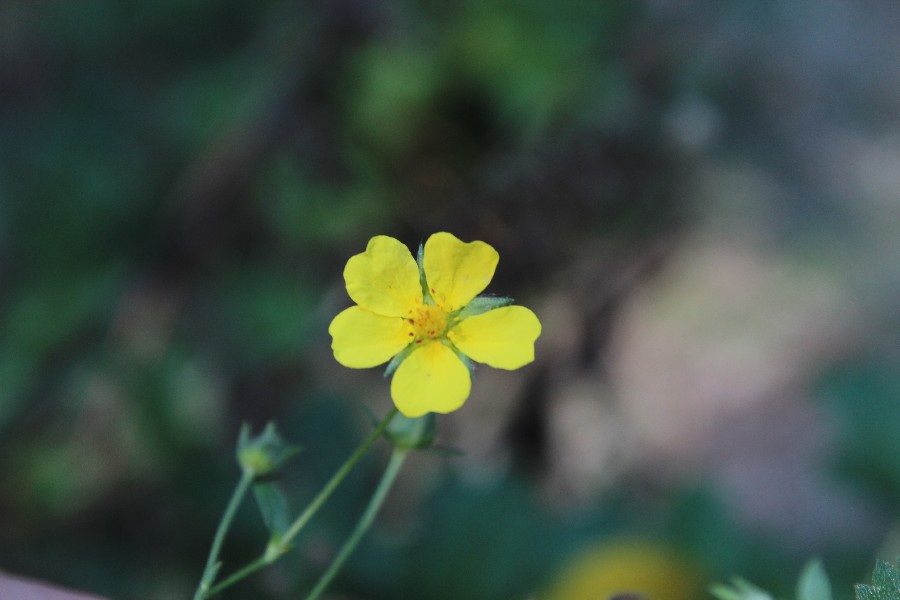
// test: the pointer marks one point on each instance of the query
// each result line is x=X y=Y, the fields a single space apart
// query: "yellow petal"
x=502 y=338
x=362 y=339
x=456 y=271
x=650 y=570
x=431 y=379
x=385 y=278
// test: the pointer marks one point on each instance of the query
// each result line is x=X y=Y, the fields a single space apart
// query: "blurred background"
x=700 y=200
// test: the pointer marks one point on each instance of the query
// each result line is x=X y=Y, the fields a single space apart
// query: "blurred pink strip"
x=14 y=588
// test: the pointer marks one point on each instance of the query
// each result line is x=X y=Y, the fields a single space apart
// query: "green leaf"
x=273 y=506
x=813 y=583
x=865 y=592
x=885 y=584
x=864 y=397
x=887 y=577
x=739 y=589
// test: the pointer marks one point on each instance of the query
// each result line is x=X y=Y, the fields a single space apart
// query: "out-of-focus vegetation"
x=699 y=199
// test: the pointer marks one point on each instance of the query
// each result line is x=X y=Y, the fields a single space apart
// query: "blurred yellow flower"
x=426 y=315
x=630 y=567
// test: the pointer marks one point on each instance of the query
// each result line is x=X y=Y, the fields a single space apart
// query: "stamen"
x=429 y=322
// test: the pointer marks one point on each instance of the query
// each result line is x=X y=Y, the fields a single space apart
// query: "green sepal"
x=398 y=358
x=264 y=454
x=470 y=365
x=273 y=506
x=411 y=433
x=482 y=304
x=813 y=583
x=423 y=281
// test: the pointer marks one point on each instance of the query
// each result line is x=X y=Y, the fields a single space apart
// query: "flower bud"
x=264 y=454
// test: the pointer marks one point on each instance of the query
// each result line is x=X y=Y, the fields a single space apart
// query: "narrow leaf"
x=813 y=583
x=273 y=506
x=739 y=589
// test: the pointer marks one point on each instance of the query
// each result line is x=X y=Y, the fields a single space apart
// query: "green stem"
x=336 y=479
x=212 y=562
x=241 y=573
x=365 y=521
x=283 y=543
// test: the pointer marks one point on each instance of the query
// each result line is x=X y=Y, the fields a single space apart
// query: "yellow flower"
x=628 y=567
x=426 y=315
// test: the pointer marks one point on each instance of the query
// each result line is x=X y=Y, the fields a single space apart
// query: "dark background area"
x=700 y=200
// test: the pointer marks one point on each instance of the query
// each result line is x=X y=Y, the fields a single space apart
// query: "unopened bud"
x=264 y=454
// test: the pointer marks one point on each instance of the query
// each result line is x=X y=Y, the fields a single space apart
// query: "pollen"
x=429 y=322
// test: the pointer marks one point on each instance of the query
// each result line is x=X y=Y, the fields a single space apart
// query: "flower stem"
x=241 y=573
x=212 y=562
x=365 y=521
x=278 y=547
x=335 y=480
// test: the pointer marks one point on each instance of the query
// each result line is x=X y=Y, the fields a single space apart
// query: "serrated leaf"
x=865 y=592
x=273 y=506
x=887 y=577
x=813 y=583
x=885 y=584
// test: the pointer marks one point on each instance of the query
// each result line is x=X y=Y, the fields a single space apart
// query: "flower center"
x=429 y=322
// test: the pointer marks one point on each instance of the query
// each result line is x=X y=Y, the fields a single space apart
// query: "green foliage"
x=273 y=506
x=813 y=584
x=266 y=310
x=487 y=533
x=864 y=396
x=305 y=209
x=40 y=318
x=739 y=589
x=395 y=87
x=885 y=583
